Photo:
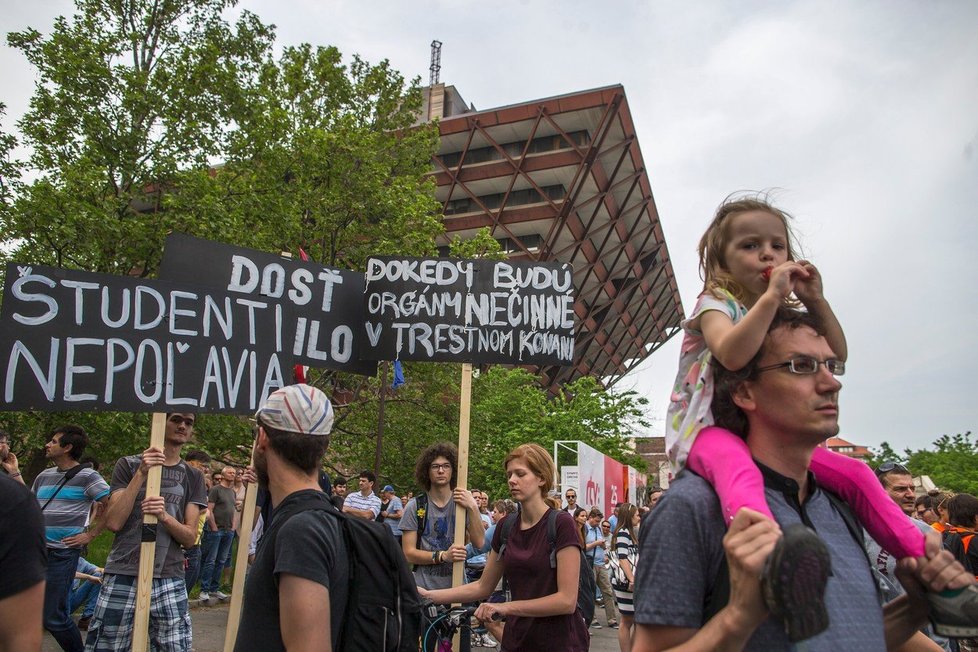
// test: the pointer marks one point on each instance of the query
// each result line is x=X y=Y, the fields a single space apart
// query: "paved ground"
x=210 y=623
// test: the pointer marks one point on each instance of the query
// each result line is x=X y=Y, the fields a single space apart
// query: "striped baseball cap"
x=297 y=408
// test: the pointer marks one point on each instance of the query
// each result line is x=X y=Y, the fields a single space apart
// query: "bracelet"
x=16 y=475
x=434 y=556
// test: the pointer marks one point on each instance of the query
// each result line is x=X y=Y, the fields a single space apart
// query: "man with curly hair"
x=428 y=524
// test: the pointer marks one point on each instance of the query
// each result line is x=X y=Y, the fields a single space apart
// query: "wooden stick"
x=241 y=561
x=147 y=550
x=465 y=404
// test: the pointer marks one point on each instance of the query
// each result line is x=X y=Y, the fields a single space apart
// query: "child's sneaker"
x=793 y=582
x=955 y=616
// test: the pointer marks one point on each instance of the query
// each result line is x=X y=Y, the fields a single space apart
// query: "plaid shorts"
x=169 y=616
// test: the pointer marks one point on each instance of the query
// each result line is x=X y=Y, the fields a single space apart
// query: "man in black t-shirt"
x=297 y=588
x=22 y=567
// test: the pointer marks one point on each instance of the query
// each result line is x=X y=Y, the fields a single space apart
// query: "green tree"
x=508 y=408
x=951 y=462
x=151 y=116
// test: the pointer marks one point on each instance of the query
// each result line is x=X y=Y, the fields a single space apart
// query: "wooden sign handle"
x=241 y=561
x=147 y=549
x=465 y=404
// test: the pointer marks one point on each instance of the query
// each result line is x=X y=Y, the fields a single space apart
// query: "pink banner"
x=590 y=468
x=615 y=475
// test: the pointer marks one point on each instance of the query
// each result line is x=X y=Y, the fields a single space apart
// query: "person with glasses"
x=699 y=584
x=428 y=523
x=897 y=481
x=572 y=507
x=177 y=508
x=750 y=272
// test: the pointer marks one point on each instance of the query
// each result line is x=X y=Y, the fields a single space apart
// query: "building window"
x=539 y=145
x=516 y=198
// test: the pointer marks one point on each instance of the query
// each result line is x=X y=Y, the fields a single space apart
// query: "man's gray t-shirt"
x=885 y=566
x=438 y=535
x=681 y=551
x=224 y=500
x=181 y=485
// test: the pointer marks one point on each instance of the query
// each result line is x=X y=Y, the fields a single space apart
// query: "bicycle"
x=440 y=625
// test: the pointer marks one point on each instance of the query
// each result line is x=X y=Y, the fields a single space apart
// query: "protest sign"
x=72 y=340
x=481 y=311
x=325 y=328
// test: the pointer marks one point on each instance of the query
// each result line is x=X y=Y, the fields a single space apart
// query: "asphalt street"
x=210 y=623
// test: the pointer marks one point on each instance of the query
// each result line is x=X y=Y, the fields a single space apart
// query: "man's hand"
x=151 y=457
x=750 y=539
x=154 y=506
x=11 y=465
x=249 y=475
x=465 y=498
x=455 y=553
x=78 y=540
x=935 y=572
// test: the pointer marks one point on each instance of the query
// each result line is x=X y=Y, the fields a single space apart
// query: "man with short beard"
x=66 y=493
x=298 y=582
x=177 y=508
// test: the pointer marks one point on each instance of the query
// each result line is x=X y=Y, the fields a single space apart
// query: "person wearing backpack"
x=428 y=524
x=538 y=553
x=297 y=589
x=963 y=519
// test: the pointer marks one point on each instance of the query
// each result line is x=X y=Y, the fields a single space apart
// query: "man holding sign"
x=181 y=498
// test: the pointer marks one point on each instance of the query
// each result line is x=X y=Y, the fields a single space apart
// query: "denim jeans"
x=192 y=573
x=84 y=593
x=62 y=563
x=214 y=550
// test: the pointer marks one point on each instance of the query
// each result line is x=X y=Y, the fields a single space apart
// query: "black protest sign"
x=326 y=326
x=80 y=341
x=452 y=310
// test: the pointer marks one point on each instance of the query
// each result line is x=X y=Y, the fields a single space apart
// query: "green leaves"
x=951 y=462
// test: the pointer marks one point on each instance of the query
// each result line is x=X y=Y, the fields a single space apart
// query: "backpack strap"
x=69 y=474
x=505 y=527
x=421 y=511
x=552 y=536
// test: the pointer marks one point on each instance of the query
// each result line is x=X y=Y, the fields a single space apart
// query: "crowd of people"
x=764 y=540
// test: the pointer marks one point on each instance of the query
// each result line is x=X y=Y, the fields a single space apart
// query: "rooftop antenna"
x=435 y=68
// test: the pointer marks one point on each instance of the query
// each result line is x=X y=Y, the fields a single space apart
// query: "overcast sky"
x=864 y=115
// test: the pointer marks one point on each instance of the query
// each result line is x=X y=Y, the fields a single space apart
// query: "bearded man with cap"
x=300 y=575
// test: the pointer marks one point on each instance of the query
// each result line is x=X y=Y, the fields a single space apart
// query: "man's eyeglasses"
x=886 y=467
x=441 y=467
x=571 y=496
x=807 y=365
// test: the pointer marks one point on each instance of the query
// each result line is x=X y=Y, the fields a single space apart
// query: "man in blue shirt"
x=66 y=493
x=594 y=549
x=784 y=403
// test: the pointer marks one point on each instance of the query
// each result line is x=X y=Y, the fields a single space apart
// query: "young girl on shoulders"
x=749 y=268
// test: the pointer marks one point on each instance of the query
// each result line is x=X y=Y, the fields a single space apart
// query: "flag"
x=398 y=375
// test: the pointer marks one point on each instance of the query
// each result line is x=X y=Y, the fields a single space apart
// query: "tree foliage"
x=156 y=115
x=951 y=462
x=508 y=408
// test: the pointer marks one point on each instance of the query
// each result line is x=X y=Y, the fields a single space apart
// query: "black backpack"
x=383 y=608
x=585 y=583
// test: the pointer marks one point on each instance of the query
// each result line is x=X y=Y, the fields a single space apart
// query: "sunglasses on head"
x=886 y=467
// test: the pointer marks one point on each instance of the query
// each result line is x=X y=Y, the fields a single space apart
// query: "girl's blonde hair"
x=539 y=462
x=713 y=266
